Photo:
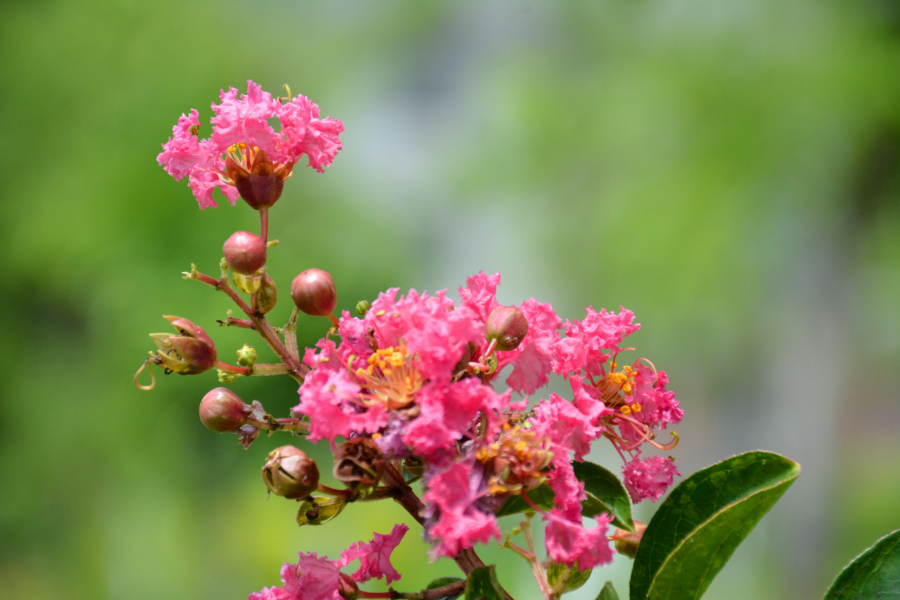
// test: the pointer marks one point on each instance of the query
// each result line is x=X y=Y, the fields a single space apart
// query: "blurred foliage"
x=724 y=169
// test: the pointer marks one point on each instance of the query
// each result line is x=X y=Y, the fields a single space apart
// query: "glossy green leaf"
x=873 y=574
x=483 y=585
x=698 y=527
x=542 y=496
x=605 y=494
x=565 y=579
x=441 y=582
x=319 y=511
x=608 y=592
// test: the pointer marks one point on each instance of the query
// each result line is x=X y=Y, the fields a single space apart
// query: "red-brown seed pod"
x=245 y=252
x=190 y=352
x=221 y=410
x=314 y=293
x=508 y=326
x=289 y=472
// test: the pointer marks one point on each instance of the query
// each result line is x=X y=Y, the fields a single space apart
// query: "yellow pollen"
x=627 y=389
x=613 y=366
x=387 y=372
x=636 y=407
x=625 y=410
x=360 y=372
x=380 y=313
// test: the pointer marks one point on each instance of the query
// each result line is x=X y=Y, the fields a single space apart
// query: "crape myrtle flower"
x=245 y=156
x=415 y=374
x=316 y=577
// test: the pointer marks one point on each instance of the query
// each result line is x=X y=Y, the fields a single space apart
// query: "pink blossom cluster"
x=242 y=123
x=317 y=578
x=415 y=374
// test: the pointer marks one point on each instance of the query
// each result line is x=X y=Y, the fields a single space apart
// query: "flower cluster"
x=245 y=156
x=405 y=389
x=415 y=375
x=317 y=578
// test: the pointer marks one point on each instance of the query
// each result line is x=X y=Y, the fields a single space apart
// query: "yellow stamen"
x=625 y=410
x=636 y=407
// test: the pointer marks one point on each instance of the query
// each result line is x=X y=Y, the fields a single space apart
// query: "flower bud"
x=222 y=411
x=347 y=587
x=189 y=353
x=245 y=252
x=246 y=356
x=508 y=326
x=313 y=292
x=268 y=295
x=262 y=186
x=627 y=542
x=362 y=307
x=290 y=473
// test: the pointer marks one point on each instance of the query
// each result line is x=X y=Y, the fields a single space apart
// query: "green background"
x=727 y=170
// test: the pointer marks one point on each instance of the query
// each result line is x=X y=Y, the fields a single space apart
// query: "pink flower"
x=565 y=425
x=585 y=341
x=375 y=556
x=658 y=406
x=241 y=133
x=448 y=412
x=570 y=543
x=459 y=524
x=648 y=478
x=312 y=578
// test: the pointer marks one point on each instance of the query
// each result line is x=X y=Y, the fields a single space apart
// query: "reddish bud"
x=245 y=252
x=289 y=472
x=189 y=353
x=508 y=326
x=314 y=293
x=627 y=542
x=222 y=411
x=347 y=587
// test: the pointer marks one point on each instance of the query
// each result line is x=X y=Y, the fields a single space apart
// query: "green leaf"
x=565 y=579
x=605 y=494
x=698 y=527
x=441 y=582
x=483 y=585
x=319 y=511
x=608 y=592
x=873 y=574
x=542 y=496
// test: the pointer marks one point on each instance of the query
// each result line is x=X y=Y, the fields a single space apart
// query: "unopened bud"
x=222 y=411
x=249 y=284
x=347 y=587
x=289 y=472
x=268 y=295
x=246 y=356
x=245 y=252
x=508 y=326
x=314 y=293
x=627 y=542
x=189 y=353
x=362 y=307
x=260 y=187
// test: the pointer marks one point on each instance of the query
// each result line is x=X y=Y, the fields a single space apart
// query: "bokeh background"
x=727 y=170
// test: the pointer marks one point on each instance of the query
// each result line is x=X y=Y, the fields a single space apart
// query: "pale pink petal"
x=648 y=478
x=375 y=556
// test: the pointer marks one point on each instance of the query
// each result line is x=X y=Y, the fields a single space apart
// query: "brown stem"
x=262 y=326
x=264 y=224
x=232 y=322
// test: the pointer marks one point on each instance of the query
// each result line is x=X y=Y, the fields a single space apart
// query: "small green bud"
x=362 y=307
x=249 y=284
x=246 y=356
x=225 y=376
x=268 y=295
x=508 y=326
x=289 y=472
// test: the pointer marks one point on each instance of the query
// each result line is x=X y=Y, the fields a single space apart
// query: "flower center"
x=517 y=460
x=390 y=379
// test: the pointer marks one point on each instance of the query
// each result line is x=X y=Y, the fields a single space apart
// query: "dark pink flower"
x=570 y=543
x=459 y=524
x=242 y=133
x=312 y=578
x=648 y=478
x=375 y=556
x=568 y=427
x=585 y=341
